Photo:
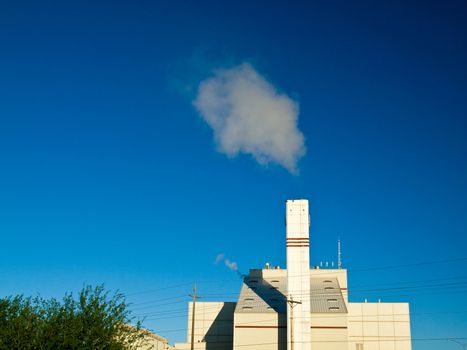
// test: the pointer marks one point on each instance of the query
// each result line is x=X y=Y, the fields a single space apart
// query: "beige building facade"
x=297 y=308
x=153 y=341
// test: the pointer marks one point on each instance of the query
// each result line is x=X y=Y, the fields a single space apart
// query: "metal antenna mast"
x=339 y=260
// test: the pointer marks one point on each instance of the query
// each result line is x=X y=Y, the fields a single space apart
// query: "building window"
x=359 y=346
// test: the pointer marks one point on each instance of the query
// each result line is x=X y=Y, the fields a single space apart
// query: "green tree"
x=95 y=320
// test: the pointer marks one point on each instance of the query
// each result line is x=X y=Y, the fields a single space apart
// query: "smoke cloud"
x=230 y=264
x=248 y=115
x=220 y=257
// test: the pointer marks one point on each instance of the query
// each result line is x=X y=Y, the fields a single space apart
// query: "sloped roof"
x=326 y=296
x=260 y=295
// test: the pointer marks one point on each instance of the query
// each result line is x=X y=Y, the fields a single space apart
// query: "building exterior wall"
x=379 y=326
x=187 y=346
x=329 y=331
x=154 y=342
x=324 y=319
x=260 y=331
x=213 y=326
x=375 y=326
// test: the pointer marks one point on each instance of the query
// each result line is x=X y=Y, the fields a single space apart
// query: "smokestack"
x=298 y=275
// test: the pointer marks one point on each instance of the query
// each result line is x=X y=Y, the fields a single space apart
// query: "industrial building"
x=298 y=308
x=153 y=341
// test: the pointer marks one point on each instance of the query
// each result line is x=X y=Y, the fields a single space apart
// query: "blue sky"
x=108 y=174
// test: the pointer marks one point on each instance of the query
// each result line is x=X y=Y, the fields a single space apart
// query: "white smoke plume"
x=230 y=264
x=248 y=115
x=220 y=257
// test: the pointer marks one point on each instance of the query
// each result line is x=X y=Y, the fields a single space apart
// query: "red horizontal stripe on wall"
x=314 y=327
x=297 y=238
x=297 y=246
x=260 y=326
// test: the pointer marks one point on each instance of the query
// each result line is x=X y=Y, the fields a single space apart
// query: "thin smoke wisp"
x=232 y=265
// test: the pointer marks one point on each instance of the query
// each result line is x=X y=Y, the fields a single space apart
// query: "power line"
x=334 y=315
x=409 y=265
x=333 y=273
x=435 y=289
x=146 y=291
x=349 y=290
x=321 y=274
x=158 y=289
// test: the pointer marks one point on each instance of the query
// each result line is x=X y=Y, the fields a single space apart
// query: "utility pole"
x=292 y=304
x=193 y=317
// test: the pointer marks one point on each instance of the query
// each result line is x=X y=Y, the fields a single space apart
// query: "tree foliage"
x=95 y=320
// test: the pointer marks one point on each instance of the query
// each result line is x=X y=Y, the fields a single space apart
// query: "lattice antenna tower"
x=339 y=259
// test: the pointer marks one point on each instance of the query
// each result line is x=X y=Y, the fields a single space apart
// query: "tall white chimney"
x=298 y=275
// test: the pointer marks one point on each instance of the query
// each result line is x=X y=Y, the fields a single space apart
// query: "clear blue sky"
x=109 y=175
